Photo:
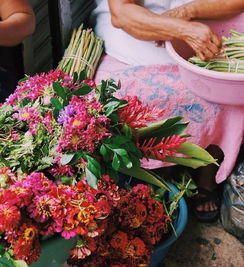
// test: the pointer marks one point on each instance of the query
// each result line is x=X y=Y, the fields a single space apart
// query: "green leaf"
x=127 y=130
x=82 y=75
x=158 y=126
x=23 y=79
x=4 y=262
x=187 y=148
x=176 y=129
x=66 y=159
x=121 y=152
x=105 y=153
x=171 y=121
x=94 y=166
x=75 y=77
x=84 y=90
x=114 y=117
x=56 y=113
x=145 y=176
x=114 y=105
x=2 y=249
x=128 y=163
x=56 y=103
x=67 y=180
x=116 y=162
x=20 y=263
x=77 y=156
x=188 y=162
x=58 y=88
x=24 y=102
x=91 y=178
x=119 y=140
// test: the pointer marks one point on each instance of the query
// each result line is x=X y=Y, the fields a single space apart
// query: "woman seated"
x=134 y=32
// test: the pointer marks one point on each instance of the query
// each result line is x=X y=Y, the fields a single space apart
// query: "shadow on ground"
x=205 y=245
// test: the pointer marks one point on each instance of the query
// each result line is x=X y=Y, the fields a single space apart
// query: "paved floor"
x=205 y=245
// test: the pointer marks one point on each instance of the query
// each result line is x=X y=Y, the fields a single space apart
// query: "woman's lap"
x=159 y=85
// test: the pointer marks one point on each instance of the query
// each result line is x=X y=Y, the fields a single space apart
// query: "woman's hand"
x=202 y=40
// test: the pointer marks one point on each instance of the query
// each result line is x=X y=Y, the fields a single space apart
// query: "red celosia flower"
x=136 y=115
x=119 y=240
x=166 y=147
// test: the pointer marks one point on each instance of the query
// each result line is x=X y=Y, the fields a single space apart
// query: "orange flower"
x=119 y=240
x=136 y=247
x=140 y=215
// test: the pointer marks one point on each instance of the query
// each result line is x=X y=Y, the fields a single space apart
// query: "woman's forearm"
x=146 y=25
x=207 y=9
x=142 y=23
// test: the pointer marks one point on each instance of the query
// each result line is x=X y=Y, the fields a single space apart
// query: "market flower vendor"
x=133 y=32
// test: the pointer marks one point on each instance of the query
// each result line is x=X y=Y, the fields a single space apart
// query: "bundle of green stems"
x=82 y=53
x=231 y=58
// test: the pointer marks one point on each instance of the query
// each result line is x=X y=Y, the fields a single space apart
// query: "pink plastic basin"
x=219 y=87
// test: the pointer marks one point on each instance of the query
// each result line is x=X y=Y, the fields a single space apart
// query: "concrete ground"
x=205 y=245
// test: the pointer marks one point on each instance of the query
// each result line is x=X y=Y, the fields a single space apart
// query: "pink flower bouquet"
x=62 y=140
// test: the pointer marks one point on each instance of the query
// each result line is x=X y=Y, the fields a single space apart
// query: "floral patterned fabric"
x=210 y=123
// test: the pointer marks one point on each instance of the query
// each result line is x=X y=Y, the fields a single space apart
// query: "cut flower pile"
x=63 y=142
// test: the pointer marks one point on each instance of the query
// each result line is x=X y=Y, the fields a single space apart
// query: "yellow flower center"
x=76 y=122
x=75 y=140
x=29 y=234
x=18 y=190
x=7 y=212
x=26 y=114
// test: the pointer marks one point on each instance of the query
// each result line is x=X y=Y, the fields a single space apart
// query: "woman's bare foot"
x=205 y=180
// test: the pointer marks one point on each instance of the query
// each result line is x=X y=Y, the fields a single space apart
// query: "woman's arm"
x=145 y=25
x=17 y=21
x=207 y=9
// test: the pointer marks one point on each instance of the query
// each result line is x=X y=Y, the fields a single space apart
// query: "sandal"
x=208 y=196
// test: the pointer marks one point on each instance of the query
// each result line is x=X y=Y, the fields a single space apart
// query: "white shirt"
x=123 y=46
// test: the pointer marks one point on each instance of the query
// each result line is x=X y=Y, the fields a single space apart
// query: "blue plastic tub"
x=161 y=249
